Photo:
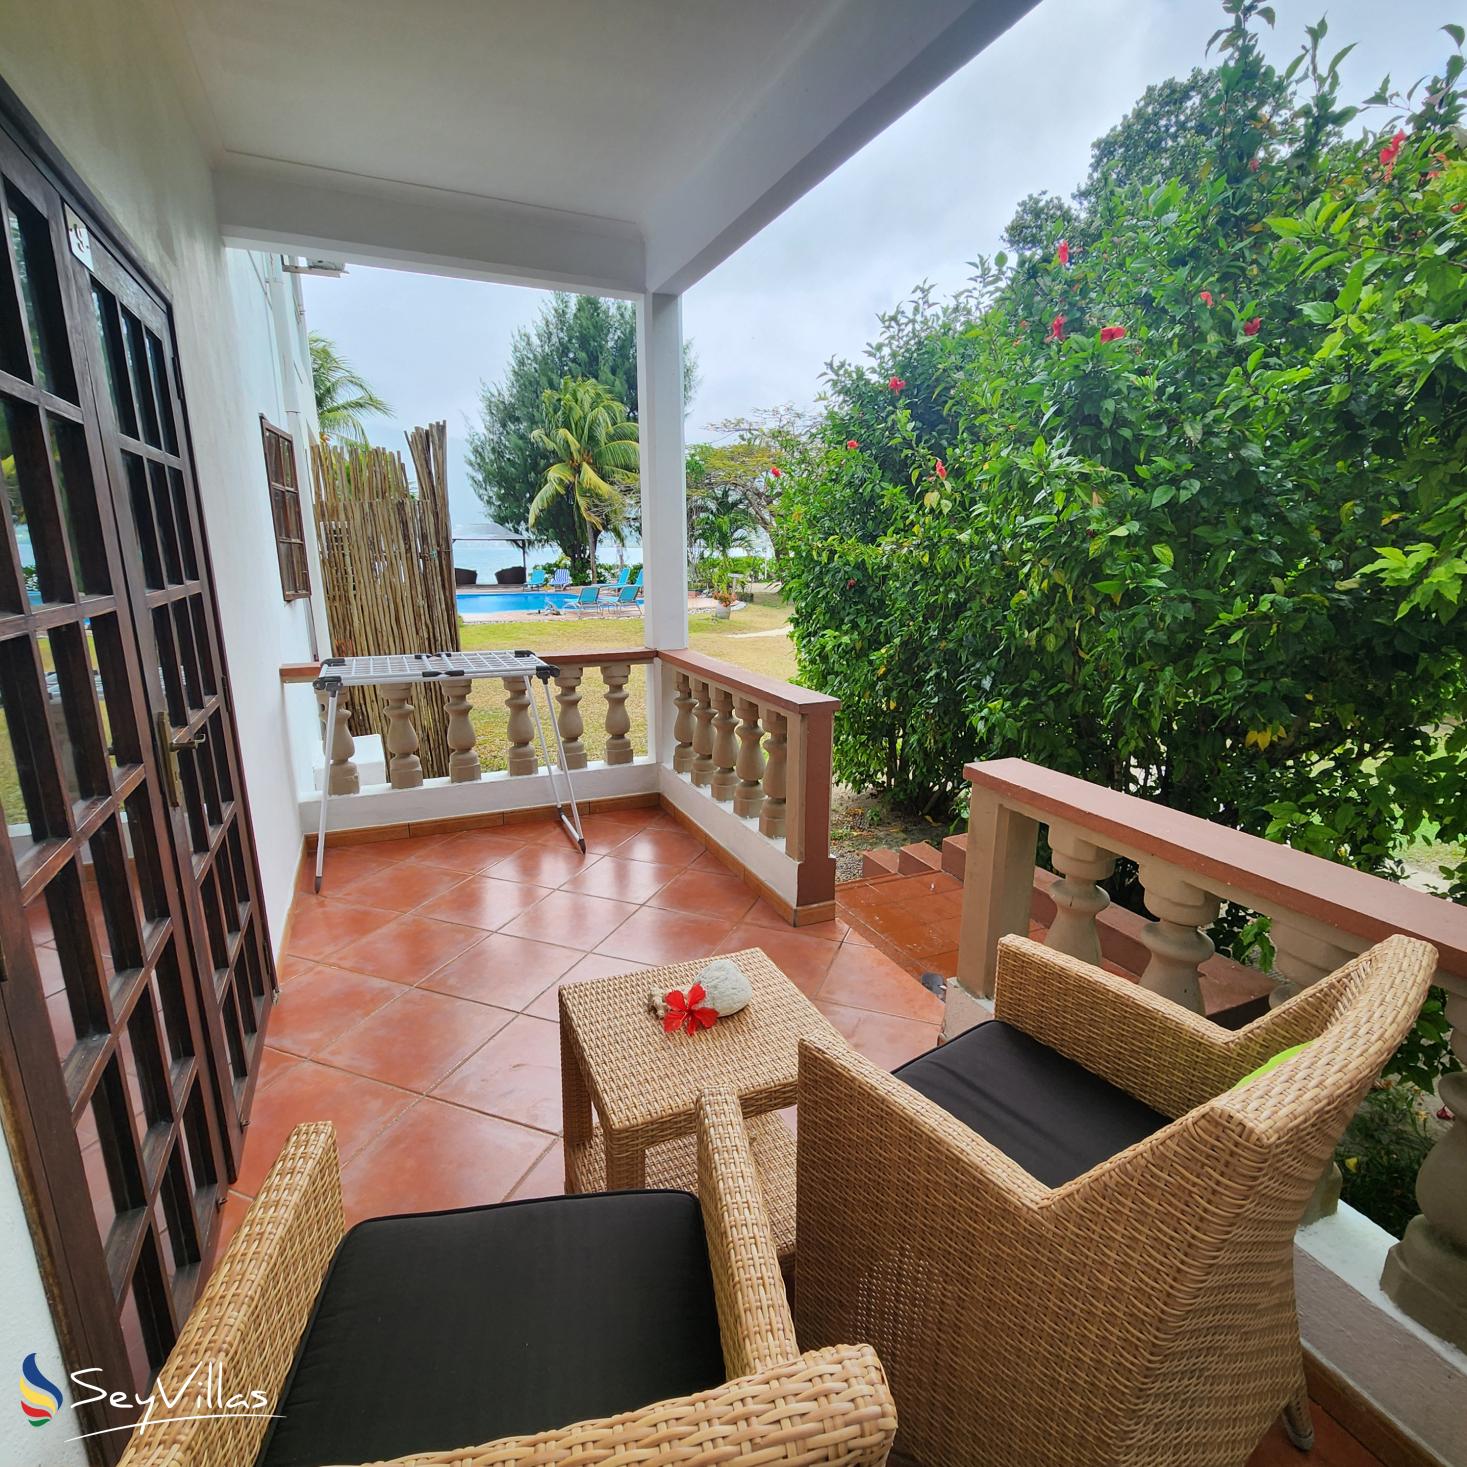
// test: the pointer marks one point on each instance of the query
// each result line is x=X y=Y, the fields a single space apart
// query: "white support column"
x=664 y=490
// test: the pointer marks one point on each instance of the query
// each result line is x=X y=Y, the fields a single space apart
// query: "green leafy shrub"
x=1382 y=1152
x=1170 y=497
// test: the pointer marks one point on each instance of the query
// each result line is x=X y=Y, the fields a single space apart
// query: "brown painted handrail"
x=1366 y=906
x=785 y=696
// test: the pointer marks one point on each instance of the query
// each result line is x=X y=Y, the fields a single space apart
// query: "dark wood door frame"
x=35 y=1104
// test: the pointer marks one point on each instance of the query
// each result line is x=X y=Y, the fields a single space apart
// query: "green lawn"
x=771 y=655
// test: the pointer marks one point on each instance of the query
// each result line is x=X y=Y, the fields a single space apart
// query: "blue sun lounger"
x=588 y=598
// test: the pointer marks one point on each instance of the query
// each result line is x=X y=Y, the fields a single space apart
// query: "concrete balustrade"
x=743 y=761
x=749 y=764
x=683 y=724
x=776 y=758
x=1321 y=914
x=344 y=778
x=404 y=768
x=463 y=763
x=572 y=726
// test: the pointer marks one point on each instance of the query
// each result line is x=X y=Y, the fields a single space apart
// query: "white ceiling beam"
x=310 y=211
x=872 y=63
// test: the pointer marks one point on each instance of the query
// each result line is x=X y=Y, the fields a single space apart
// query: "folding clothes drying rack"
x=430 y=667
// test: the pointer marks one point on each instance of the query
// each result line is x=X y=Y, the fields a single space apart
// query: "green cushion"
x=1274 y=1063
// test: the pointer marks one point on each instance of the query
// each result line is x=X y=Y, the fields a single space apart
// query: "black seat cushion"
x=447 y=1329
x=1044 y=1111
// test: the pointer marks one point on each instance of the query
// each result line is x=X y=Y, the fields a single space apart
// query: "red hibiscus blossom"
x=851 y=443
x=940 y=469
x=774 y=471
x=686 y=1011
x=1062 y=253
x=1251 y=325
x=1056 y=329
x=897 y=384
x=1112 y=333
x=1205 y=296
x=1390 y=153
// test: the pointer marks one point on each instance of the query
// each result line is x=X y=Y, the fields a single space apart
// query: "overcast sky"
x=916 y=204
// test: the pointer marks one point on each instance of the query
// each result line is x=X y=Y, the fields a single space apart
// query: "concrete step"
x=919 y=857
x=955 y=855
x=882 y=862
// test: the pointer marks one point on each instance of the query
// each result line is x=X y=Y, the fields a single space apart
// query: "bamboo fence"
x=387 y=565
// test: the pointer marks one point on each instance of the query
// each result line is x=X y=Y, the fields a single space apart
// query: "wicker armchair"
x=1142 y=1312
x=778 y=1406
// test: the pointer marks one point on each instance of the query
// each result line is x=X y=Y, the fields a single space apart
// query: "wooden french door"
x=135 y=973
x=164 y=548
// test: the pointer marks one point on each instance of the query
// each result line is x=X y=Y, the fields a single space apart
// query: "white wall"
x=25 y=1326
x=90 y=72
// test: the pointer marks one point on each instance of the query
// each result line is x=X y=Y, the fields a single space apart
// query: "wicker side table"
x=643 y=1084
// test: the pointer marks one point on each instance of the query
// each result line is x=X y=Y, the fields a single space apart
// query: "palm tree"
x=593 y=446
x=343 y=397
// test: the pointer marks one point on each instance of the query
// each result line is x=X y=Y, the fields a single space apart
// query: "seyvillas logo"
x=40 y=1399
x=200 y=1396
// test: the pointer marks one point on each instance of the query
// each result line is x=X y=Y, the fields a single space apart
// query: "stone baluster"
x=703 y=733
x=404 y=768
x=725 y=747
x=568 y=701
x=1078 y=899
x=776 y=764
x=1426 y=1272
x=523 y=758
x=342 y=777
x=1178 y=948
x=463 y=762
x=1301 y=957
x=748 y=795
x=683 y=724
x=618 y=720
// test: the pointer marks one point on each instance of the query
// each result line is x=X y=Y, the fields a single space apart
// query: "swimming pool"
x=479 y=604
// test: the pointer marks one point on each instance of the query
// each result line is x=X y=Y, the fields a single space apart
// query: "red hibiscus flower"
x=852 y=444
x=1062 y=253
x=897 y=384
x=1205 y=296
x=1251 y=325
x=940 y=469
x=1390 y=153
x=775 y=471
x=1112 y=333
x=686 y=1011
x=1056 y=329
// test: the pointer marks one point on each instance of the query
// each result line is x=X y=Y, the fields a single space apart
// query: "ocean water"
x=488 y=556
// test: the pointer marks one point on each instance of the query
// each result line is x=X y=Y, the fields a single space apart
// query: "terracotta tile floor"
x=417 y=1007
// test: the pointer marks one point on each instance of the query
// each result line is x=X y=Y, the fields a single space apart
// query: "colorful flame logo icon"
x=40 y=1400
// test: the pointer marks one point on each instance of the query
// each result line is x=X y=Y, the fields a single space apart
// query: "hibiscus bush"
x=1172 y=496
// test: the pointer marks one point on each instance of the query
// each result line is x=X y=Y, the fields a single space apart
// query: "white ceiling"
x=586 y=105
x=627 y=114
